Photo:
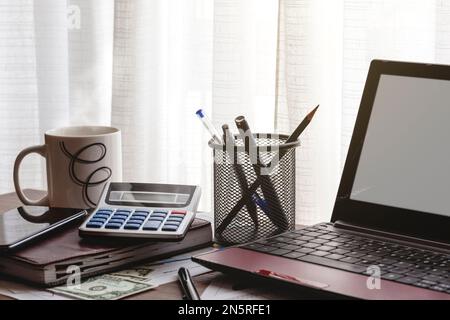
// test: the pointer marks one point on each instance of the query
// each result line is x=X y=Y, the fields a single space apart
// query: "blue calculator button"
x=116 y=221
x=126 y=211
x=102 y=221
x=94 y=225
x=160 y=211
x=116 y=215
x=178 y=215
x=97 y=220
x=152 y=225
x=106 y=216
x=138 y=217
x=106 y=210
x=159 y=215
x=132 y=226
x=175 y=219
x=102 y=215
x=135 y=221
x=156 y=219
x=172 y=223
x=141 y=215
x=113 y=225
x=144 y=212
x=169 y=228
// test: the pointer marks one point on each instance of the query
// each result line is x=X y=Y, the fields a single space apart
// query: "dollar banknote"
x=139 y=273
x=105 y=287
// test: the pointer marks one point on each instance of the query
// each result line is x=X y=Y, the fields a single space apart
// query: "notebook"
x=46 y=262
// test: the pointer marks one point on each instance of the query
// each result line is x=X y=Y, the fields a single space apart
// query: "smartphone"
x=23 y=225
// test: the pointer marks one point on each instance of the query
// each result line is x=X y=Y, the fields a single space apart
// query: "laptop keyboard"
x=325 y=245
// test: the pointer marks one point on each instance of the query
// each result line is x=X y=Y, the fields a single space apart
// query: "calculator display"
x=152 y=197
x=149 y=197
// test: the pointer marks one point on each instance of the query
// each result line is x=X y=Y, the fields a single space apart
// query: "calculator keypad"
x=128 y=219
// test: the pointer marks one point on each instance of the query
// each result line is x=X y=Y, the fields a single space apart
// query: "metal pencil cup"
x=252 y=201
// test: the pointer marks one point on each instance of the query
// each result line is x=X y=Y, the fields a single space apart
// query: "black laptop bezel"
x=389 y=219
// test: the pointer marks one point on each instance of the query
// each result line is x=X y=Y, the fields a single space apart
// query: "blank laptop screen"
x=405 y=160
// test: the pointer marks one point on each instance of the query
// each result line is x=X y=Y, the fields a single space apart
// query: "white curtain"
x=145 y=66
x=324 y=51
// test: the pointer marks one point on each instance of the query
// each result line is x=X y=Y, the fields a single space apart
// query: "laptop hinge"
x=394 y=236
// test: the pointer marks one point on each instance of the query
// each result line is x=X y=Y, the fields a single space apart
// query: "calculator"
x=163 y=212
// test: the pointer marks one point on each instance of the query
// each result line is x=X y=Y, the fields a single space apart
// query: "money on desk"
x=105 y=287
x=124 y=283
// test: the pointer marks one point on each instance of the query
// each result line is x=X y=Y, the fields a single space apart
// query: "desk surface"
x=164 y=292
x=170 y=291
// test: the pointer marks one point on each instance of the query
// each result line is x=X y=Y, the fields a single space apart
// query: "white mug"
x=80 y=160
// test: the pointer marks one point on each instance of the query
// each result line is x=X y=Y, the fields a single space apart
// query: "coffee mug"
x=79 y=161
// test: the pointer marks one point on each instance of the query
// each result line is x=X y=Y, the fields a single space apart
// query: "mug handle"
x=41 y=150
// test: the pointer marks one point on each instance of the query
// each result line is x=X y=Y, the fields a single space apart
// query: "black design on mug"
x=88 y=182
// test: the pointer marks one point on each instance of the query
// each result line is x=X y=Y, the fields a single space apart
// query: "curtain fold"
x=162 y=74
x=309 y=73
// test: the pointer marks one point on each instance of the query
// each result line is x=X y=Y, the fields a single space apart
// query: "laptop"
x=389 y=235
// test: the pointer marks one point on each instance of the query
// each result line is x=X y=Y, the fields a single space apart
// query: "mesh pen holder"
x=252 y=201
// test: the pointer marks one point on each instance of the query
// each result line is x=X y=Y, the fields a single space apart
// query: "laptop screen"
x=405 y=159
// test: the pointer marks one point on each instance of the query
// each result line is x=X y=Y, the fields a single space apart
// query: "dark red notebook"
x=45 y=262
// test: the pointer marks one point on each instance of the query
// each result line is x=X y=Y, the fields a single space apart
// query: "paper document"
x=165 y=271
x=20 y=291
x=224 y=288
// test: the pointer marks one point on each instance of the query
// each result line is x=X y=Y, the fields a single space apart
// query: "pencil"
x=293 y=137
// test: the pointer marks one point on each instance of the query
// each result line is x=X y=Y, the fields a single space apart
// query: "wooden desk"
x=164 y=292
x=170 y=291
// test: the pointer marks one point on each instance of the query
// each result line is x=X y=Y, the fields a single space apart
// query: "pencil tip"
x=312 y=113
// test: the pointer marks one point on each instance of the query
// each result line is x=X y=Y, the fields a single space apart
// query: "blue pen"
x=261 y=203
x=209 y=126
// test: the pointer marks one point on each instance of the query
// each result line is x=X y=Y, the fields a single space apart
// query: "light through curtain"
x=325 y=48
x=144 y=66
x=173 y=57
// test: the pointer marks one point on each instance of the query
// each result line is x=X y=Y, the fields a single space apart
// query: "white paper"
x=20 y=291
x=223 y=288
x=166 y=271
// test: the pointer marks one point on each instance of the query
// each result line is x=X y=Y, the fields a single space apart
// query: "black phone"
x=23 y=225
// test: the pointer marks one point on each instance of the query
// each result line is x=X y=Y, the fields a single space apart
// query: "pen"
x=293 y=137
x=249 y=141
x=275 y=211
x=209 y=126
x=229 y=142
x=189 y=290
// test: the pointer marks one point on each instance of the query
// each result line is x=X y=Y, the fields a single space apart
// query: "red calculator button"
x=178 y=212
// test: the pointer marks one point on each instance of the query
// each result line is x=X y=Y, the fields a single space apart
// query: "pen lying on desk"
x=189 y=290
